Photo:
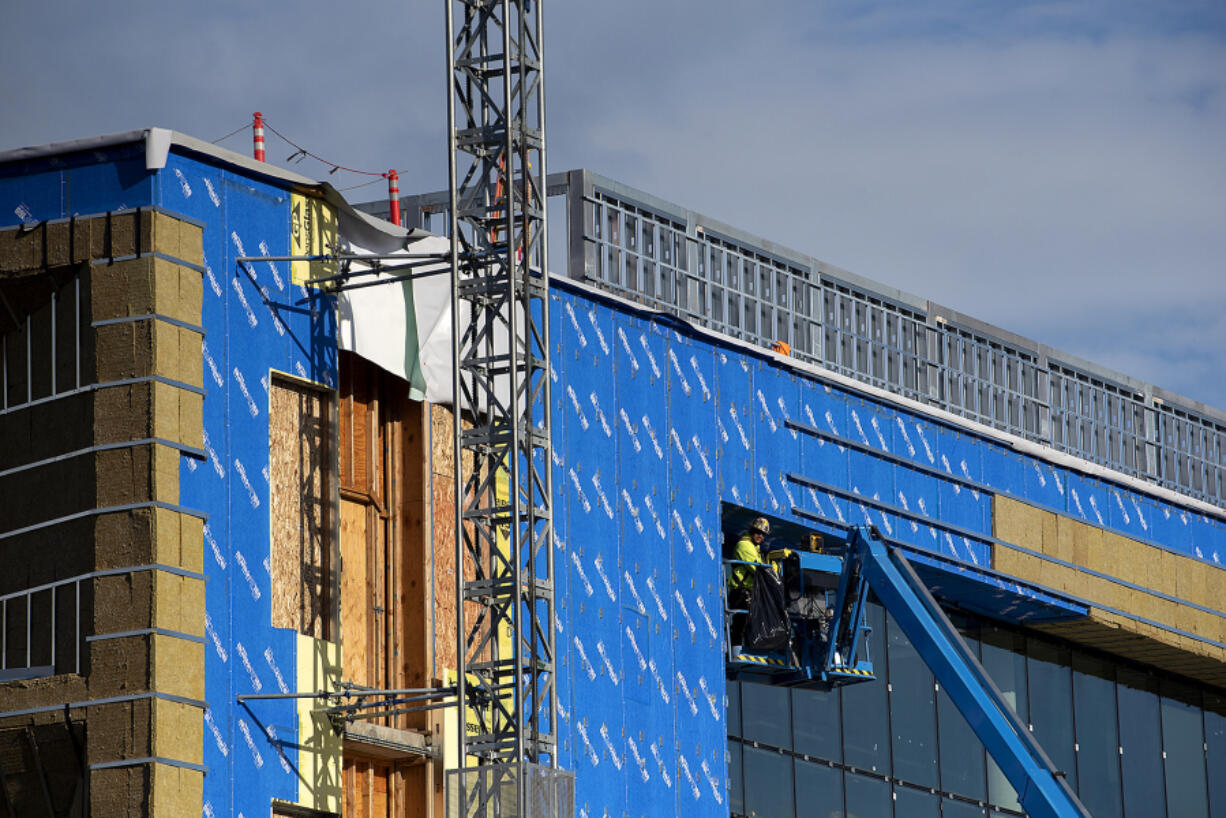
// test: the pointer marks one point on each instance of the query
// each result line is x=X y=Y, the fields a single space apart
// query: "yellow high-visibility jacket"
x=742 y=575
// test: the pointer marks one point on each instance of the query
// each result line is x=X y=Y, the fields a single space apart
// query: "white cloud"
x=1054 y=168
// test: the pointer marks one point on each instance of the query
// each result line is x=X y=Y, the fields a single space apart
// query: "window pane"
x=1140 y=732
x=299 y=507
x=734 y=708
x=960 y=809
x=866 y=743
x=736 y=792
x=819 y=791
x=1183 y=737
x=867 y=797
x=768 y=783
x=1005 y=661
x=1098 y=757
x=1215 y=741
x=815 y=721
x=962 y=754
x=765 y=714
x=909 y=803
x=1051 y=704
x=912 y=711
x=962 y=757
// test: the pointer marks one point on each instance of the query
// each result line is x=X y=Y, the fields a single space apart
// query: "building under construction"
x=227 y=493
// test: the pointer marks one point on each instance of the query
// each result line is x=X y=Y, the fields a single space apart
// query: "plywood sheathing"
x=411 y=489
x=355 y=596
x=1110 y=554
x=443 y=464
x=297 y=470
x=385 y=543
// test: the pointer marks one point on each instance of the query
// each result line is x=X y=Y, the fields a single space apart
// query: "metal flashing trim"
x=157 y=316
x=162 y=379
x=157 y=144
x=109 y=572
x=189 y=451
x=107 y=510
x=20 y=674
x=881 y=505
x=882 y=454
x=132 y=697
x=986 y=538
x=973 y=485
x=1113 y=579
x=123 y=211
x=98 y=262
x=948 y=563
x=40 y=401
x=873 y=774
x=100 y=637
x=1086 y=603
x=136 y=762
x=941 y=562
x=153 y=566
x=174 y=214
x=96 y=386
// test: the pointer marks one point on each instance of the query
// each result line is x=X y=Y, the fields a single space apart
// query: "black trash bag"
x=766 y=630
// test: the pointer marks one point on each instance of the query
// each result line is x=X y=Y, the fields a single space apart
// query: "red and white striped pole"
x=257 y=131
x=393 y=196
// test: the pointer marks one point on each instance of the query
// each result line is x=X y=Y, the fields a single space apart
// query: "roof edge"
x=158 y=143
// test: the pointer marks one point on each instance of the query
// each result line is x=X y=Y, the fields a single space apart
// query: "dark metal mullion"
x=1162 y=752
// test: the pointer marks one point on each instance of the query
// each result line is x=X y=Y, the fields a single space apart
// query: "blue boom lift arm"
x=1042 y=791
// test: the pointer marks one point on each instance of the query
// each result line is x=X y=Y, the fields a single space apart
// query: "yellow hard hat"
x=760 y=525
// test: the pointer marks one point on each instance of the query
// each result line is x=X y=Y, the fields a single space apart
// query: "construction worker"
x=740 y=583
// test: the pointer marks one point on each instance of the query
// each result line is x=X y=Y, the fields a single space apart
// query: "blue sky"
x=1057 y=169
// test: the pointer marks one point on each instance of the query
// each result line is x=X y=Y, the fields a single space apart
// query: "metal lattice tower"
x=504 y=552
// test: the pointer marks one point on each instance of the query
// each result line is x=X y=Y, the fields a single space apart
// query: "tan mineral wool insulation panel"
x=1113 y=555
x=297 y=470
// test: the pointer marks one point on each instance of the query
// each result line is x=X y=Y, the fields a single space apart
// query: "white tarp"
x=403 y=327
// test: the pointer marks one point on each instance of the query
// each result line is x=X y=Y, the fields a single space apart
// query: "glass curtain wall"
x=1130 y=741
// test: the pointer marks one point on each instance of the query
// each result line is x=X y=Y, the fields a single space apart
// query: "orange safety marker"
x=257 y=132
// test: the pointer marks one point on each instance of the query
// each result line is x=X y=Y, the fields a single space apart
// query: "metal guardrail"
x=715 y=276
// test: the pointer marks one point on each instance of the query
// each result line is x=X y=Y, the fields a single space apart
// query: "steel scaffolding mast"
x=503 y=525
